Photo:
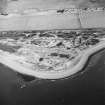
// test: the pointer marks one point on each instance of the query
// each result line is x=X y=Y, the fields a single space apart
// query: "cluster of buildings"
x=55 y=11
x=75 y=10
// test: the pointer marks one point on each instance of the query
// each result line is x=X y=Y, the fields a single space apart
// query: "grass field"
x=55 y=21
x=39 y=22
x=93 y=19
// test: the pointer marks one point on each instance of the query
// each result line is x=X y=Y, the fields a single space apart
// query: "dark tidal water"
x=84 y=89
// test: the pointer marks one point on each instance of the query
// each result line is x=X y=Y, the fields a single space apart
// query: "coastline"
x=50 y=75
x=50 y=22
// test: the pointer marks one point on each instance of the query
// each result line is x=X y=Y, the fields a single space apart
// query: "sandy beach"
x=81 y=81
x=10 y=61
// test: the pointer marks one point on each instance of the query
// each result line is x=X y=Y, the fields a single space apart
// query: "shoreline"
x=50 y=75
x=51 y=22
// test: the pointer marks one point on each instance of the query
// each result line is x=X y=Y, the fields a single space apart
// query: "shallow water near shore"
x=87 y=87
